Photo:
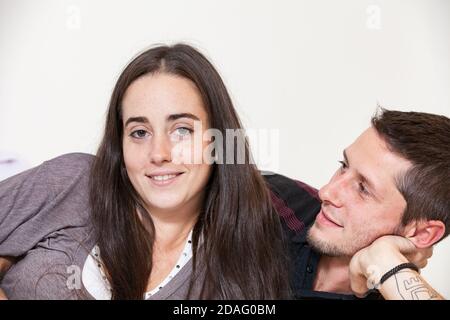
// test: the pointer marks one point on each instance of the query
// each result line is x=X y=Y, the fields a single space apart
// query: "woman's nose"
x=161 y=149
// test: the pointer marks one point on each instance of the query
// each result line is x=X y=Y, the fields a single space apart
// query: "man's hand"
x=369 y=264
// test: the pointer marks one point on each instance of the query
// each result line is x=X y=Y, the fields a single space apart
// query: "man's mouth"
x=324 y=217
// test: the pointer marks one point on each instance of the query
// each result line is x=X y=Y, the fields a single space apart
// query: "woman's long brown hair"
x=241 y=250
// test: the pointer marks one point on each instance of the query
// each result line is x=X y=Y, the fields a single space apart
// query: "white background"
x=315 y=70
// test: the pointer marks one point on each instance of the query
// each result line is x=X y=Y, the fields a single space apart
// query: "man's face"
x=361 y=202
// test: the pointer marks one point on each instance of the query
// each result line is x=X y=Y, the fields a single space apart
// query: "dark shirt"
x=298 y=205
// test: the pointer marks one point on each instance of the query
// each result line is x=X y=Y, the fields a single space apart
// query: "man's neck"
x=333 y=275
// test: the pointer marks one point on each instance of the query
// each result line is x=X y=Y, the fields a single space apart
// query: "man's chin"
x=327 y=247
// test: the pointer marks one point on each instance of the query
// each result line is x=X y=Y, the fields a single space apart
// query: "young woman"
x=140 y=220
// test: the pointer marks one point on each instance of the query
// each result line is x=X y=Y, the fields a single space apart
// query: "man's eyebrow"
x=362 y=177
x=136 y=119
x=344 y=153
x=176 y=116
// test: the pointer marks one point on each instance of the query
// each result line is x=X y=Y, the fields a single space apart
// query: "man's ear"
x=424 y=233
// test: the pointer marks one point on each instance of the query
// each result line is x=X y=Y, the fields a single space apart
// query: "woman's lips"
x=164 y=179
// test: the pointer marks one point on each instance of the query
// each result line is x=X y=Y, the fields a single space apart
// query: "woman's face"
x=160 y=143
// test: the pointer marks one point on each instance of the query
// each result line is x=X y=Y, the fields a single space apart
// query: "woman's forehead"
x=160 y=94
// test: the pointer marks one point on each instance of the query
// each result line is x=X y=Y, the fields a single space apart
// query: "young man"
x=393 y=180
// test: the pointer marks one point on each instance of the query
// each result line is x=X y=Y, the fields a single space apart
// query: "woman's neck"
x=173 y=228
x=171 y=234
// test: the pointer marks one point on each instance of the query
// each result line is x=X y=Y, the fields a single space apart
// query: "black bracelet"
x=408 y=265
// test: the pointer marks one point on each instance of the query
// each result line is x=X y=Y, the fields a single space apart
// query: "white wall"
x=313 y=69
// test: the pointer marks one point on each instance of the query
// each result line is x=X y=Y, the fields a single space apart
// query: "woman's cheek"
x=187 y=153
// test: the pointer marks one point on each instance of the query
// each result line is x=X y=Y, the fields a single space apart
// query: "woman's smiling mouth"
x=164 y=179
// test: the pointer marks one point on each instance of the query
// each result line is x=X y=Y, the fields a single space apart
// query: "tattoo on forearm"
x=412 y=287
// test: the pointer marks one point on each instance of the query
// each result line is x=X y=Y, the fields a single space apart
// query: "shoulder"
x=284 y=185
x=71 y=161
x=296 y=202
x=51 y=175
x=69 y=165
x=67 y=172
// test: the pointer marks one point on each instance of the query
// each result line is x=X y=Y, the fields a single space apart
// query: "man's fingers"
x=420 y=257
x=358 y=285
x=429 y=252
x=422 y=264
x=404 y=245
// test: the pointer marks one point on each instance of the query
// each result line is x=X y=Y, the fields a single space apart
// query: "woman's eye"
x=139 y=134
x=183 y=131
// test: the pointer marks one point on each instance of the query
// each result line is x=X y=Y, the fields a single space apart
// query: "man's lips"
x=324 y=217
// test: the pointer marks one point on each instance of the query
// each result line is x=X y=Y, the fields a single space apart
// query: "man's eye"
x=343 y=165
x=363 y=189
x=139 y=134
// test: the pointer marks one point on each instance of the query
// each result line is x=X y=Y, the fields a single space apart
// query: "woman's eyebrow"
x=136 y=119
x=176 y=116
x=171 y=117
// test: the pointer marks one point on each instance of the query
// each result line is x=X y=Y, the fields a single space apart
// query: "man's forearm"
x=407 y=284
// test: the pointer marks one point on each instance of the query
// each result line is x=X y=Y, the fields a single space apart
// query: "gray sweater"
x=45 y=222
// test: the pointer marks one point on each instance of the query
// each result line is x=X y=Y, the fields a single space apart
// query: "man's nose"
x=161 y=149
x=333 y=192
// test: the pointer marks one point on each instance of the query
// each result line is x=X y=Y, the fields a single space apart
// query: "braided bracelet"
x=387 y=275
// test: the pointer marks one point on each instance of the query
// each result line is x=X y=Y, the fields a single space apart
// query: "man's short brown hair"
x=424 y=140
